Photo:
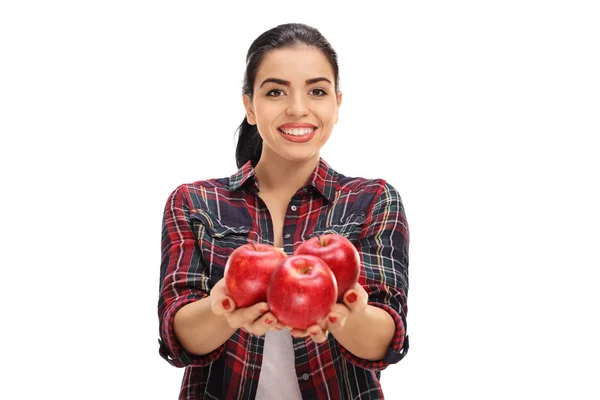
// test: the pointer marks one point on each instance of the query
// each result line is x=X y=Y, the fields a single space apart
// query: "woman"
x=283 y=194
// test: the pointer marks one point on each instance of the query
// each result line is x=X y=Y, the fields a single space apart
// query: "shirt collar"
x=239 y=179
x=323 y=178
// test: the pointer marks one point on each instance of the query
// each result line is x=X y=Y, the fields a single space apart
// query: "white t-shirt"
x=277 y=379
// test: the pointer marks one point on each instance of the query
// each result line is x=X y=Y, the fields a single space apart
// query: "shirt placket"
x=291 y=223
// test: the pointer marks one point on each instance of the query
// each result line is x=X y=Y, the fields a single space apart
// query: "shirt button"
x=305 y=377
x=294 y=208
x=287 y=236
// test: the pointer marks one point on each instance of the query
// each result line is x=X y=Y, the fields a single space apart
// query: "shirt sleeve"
x=383 y=247
x=183 y=279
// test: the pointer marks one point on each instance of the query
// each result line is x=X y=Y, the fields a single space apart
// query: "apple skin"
x=339 y=254
x=302 y=291
x=248 y=272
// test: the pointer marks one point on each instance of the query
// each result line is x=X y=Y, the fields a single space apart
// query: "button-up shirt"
x=206 y=220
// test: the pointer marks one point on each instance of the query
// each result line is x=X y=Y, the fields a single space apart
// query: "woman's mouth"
x=297 y=135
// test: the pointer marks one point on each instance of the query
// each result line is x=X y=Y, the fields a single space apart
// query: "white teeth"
x=298 y=132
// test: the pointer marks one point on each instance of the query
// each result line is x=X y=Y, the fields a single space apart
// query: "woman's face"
x=294 y=105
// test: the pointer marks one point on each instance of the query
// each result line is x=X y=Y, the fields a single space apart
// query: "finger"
x=336 y=319
x=317 y=334
x=360 y=290
x=277 y=326
x=220 y=302
x=263 y=324
x=355 y=300
x=247 y=316
x=298 y=333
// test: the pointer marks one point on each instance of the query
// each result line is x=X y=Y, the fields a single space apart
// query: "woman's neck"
x=276 y=174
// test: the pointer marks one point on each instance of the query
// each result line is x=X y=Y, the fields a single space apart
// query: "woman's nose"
x=297 y=107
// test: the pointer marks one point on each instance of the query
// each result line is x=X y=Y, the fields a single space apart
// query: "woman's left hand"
x=355 y=302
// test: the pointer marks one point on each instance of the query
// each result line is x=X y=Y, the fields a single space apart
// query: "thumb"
x=220 y=302
x=355 y=301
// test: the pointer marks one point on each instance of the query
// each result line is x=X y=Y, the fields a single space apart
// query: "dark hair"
x=249 y=144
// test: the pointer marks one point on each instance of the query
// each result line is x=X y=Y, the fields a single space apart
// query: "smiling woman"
x=293 y=98
x=283 y=194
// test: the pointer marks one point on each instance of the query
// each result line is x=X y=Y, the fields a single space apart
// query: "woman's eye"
x=275 y=93
x=319 y=92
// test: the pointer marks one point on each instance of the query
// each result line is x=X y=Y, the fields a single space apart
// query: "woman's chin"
x=301 y=156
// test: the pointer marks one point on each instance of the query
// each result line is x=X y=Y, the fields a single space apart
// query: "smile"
x=298 y=131
x=298 y=135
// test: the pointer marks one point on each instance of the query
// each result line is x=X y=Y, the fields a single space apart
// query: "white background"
x=484 y=115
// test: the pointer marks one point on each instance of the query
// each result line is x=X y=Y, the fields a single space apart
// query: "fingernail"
x=226 y=304
x=314 y=333
x=262 y=311
x=332 y=319
x=351 y=297
x=268 y=321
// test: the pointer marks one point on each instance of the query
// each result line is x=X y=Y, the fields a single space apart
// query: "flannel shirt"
x=206 y=220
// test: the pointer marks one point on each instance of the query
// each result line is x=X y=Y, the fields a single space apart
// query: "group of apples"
x=300 y=289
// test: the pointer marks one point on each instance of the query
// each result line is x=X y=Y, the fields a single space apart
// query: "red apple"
x=339 y=254
x=248 y=272
x=302 y=291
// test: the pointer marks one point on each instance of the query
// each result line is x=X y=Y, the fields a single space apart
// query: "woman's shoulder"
x=221 y=185
x=367 y=195
x=203 y=184
x=377 y=186
x=210 y=197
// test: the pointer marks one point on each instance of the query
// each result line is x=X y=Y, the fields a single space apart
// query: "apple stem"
x=305 y=270
x=253 y=246
x=322 y=241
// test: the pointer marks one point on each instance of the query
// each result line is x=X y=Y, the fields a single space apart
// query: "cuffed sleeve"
x=183 y=279
x=383 y=247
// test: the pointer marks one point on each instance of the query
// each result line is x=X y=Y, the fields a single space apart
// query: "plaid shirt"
x=206 y=220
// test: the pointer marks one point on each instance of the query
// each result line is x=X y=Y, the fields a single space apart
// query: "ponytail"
x=249 y=145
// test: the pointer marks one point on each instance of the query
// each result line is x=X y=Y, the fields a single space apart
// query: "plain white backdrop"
x=484 y=115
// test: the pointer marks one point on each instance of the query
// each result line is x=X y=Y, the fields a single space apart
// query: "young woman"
x=283 y=194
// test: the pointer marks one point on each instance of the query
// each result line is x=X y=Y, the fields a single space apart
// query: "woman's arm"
x=379 y=330
x=367 y=331
x=364 y=330
x=193 y=321
x=204 y=325
x=199 y=330
x=370 y=325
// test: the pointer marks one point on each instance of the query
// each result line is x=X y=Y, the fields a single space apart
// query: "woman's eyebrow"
x=287 y=83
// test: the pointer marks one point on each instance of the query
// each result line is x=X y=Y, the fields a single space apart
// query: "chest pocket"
x=350 y=226
x=217 y=240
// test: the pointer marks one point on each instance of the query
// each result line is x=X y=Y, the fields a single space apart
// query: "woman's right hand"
x=255 y=319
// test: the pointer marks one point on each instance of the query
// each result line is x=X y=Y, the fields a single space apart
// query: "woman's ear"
x=339 y=103
x=249 y=109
